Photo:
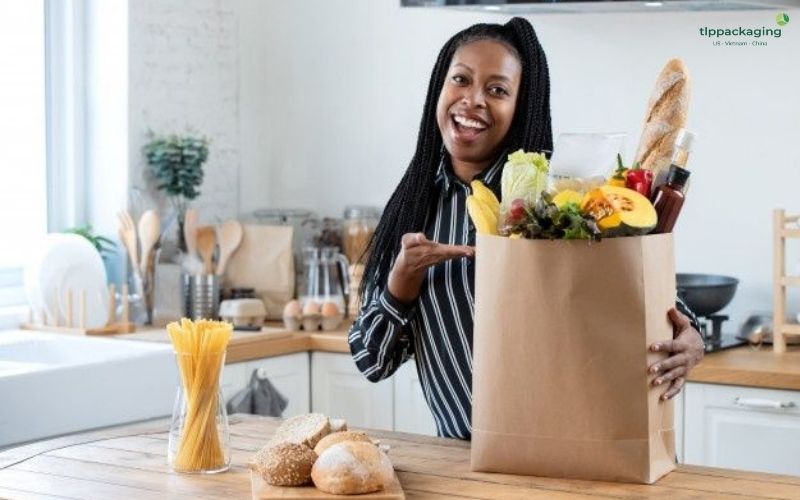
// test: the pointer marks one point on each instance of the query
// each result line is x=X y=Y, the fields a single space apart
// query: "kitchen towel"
x=260 y=397
x=560 y=358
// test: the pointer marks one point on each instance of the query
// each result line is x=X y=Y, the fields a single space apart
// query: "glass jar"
x=359 y=226
x=199 y=437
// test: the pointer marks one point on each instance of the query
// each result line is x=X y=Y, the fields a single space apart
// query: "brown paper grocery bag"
x=264 y=261
x=560 y=381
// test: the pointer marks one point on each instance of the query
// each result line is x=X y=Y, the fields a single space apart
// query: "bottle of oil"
x=680 y=157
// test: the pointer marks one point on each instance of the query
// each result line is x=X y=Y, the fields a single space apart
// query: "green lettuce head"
x=524 y=176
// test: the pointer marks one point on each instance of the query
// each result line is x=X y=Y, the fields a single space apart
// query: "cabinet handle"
x=763 y=403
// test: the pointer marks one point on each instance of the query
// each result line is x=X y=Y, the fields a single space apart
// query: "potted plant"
x=176 y=162
x=104 y=245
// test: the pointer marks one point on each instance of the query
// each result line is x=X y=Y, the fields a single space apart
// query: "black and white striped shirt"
x=437 y=328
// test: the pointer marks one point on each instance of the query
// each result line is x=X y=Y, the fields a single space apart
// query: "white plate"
x=62 y=262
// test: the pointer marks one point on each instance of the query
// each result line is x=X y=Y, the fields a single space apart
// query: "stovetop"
x=713 y=337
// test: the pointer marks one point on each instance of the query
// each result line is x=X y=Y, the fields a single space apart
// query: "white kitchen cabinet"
x=742 y=428
x=411 y=412
x=339 y=390
x=679 y=426
x=289 y=374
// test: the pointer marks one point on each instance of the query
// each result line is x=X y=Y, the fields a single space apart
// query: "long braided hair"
x=530 y=130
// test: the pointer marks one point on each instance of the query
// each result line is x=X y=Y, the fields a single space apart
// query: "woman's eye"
x=459 y=80
x=498 y=91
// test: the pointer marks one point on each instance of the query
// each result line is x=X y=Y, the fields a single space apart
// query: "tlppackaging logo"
x=739 y=34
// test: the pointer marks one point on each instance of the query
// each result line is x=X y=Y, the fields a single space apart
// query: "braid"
x=408 y=207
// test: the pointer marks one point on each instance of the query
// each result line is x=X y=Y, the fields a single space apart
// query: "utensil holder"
x=144 y=285
x=201 y=296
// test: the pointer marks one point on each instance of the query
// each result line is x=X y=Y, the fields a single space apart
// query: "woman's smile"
x=466 y=127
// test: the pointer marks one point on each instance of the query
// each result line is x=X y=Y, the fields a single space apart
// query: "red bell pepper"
x=640 y=180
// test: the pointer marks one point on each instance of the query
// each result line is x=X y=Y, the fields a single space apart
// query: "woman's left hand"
x=686 y=351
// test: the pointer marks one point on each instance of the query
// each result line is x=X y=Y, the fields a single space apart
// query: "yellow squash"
x=620 y=211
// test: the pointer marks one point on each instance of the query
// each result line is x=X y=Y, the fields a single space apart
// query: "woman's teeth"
x=466 y=122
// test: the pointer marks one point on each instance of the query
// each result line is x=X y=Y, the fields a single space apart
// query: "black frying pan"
x=706 y=294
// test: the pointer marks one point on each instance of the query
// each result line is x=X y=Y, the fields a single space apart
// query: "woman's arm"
x=381 y=337
x=686 y=350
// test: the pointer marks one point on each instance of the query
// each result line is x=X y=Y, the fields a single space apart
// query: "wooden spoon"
x=127 y=234
x=206 y=242
x=149 y=232
x=190 y=223
x=230 y=237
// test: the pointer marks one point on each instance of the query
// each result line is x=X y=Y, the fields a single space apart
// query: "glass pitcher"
x=326 y=276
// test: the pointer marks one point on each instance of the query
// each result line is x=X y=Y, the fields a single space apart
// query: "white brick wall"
x=184 y=75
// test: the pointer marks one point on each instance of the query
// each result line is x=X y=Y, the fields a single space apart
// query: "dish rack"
x=78 y=325
x=785 y=227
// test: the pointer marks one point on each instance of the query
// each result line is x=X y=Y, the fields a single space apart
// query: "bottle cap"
x=677 y=176
x=685 y=139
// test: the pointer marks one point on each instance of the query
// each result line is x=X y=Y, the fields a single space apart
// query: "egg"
x=330 y=310
x=292 y=309
x=310 y=309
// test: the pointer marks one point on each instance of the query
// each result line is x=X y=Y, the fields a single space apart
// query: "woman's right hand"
x=417 y=253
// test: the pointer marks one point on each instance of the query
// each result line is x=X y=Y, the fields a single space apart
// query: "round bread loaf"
x=305 y=429
x=340 y=437
x=284 y=464
x=338 y=424
x=351 y=468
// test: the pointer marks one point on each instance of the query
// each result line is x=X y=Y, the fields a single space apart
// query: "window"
x=23 y=141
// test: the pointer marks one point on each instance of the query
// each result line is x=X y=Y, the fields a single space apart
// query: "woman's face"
x=478 y=100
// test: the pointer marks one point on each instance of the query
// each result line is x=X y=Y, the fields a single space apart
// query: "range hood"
x=522 y=7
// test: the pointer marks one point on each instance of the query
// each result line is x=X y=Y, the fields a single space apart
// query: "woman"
x=489 y=93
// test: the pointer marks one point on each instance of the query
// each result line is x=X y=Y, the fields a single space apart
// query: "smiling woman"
x=489 y=92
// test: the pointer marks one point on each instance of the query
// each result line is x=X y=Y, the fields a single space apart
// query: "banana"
x=484 y=194
x=482 y=216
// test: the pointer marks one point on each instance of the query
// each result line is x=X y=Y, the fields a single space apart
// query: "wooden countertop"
x=743 y=366
x=130 y=462
x=748 y=367
x=275 y=341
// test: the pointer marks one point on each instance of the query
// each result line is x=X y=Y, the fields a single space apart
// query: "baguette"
x=666 y=115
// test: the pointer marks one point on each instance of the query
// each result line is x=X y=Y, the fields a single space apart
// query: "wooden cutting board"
x=263 y=491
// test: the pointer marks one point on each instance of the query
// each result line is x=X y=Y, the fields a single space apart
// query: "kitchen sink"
x=52 y=384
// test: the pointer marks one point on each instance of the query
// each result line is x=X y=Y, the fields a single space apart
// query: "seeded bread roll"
x=340 y=437
x=284 y=464
x=305 y=429
x=666 y=115
x=352 y=468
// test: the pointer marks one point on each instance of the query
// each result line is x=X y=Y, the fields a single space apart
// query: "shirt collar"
x=448 y=179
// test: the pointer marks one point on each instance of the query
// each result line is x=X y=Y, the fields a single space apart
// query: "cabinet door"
x=233 y=380
x=290 y=376
x=339 y=390
x=742 y=428
x=679 y=426
x=411 y=412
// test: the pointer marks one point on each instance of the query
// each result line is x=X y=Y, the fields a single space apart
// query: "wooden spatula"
x=230 y=237
x=206 y=242
x=149 y=233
